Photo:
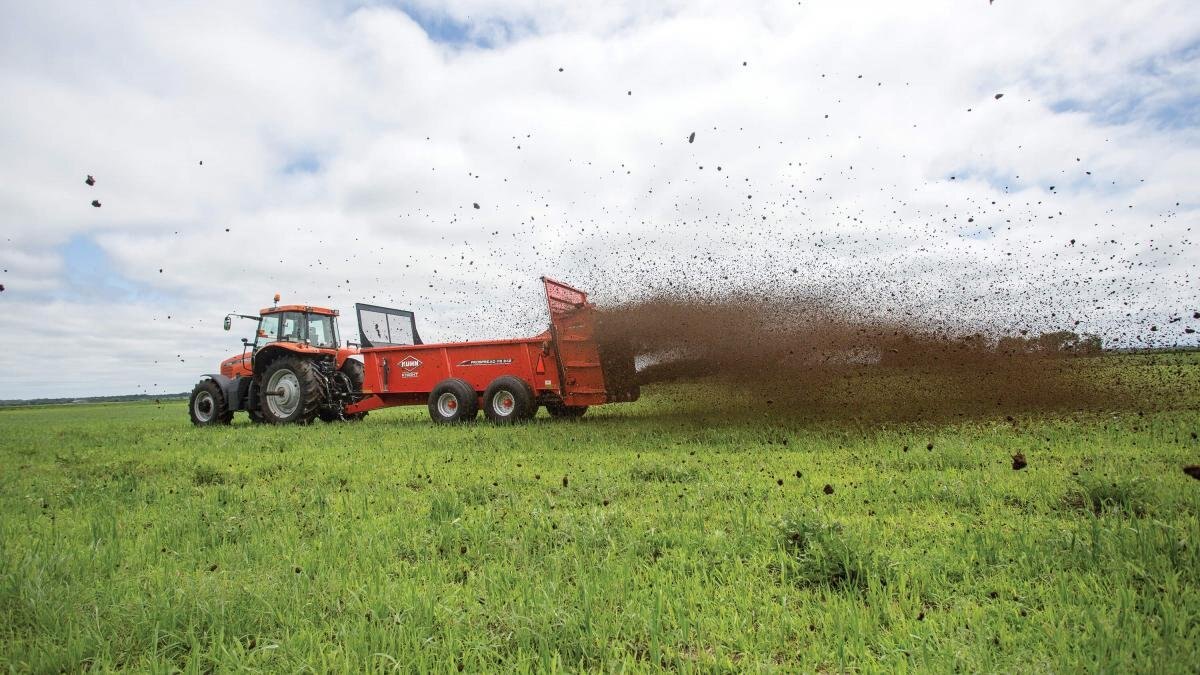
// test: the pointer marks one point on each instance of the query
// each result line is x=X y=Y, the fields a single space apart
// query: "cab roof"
x=297 y=308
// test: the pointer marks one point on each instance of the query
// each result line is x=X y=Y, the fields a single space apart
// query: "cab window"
x=291 y=327
x=268 y=329
x=322 y=331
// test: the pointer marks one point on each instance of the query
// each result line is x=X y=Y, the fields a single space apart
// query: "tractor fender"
x=263 y=357
x=232 y=388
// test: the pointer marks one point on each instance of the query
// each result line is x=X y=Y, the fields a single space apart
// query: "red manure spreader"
x=296 y=369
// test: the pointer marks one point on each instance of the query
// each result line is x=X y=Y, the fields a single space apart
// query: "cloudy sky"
x=440 y=156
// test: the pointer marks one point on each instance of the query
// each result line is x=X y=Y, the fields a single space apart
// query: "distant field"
x=670 y=533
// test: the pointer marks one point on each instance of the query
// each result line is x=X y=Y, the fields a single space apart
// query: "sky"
x=1013 y=165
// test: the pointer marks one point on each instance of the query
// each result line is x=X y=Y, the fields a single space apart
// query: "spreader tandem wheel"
x=207 y=405
x=509 y=399
x=453 y=401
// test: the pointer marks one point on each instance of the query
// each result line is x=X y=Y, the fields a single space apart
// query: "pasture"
x=667 y=534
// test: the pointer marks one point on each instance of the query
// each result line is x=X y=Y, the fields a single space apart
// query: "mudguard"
x=231 y=388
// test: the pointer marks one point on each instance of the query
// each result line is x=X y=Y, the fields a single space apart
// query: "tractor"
x=294 y=371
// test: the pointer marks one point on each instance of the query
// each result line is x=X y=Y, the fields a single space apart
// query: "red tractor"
x=293 y=371
x=296 y=370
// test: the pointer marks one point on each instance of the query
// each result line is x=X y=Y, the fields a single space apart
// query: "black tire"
x=566 y=411
x=453 y=401
x=357 y=375
x=353 y=370
x=509 y=399
x=294 y=377
x=207 y=406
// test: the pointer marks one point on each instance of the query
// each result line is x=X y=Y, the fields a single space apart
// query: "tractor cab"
x=299 y=324
x=297 y=328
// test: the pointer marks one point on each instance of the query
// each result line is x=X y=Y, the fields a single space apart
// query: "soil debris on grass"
x=1018 y=461
x=1193 y=471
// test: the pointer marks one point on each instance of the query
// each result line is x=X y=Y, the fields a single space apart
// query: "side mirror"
x=228 y=322
x=244 y=341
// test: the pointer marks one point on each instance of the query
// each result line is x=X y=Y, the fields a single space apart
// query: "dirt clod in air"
x=90 y=180
x=692 y=137
x=96 y=203
x=828 y=489
x=1018 y=461
x=1193 y=471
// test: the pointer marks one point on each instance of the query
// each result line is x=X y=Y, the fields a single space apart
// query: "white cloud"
x=343 y=150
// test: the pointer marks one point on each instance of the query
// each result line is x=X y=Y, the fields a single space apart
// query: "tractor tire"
x=566 y=411
x=509 y=399
x=453 y=401
x=356 y=374
x=290 y=392
x=207 y=406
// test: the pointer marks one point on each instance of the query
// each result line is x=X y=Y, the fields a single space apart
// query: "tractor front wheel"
x=207 y=405
x=291 y=393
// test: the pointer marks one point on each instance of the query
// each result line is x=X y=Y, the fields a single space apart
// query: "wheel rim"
x=447 y=405
x=503 y=403
x=283 y=393
x=204 y=406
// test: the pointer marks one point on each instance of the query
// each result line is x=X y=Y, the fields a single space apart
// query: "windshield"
x=268 y=328
x=322 y=331
x=318 y=330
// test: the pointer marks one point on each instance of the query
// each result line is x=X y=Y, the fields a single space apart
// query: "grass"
x=635 y=539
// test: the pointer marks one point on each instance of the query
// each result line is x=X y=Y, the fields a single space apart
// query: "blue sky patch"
x=304 y=163
x=445 y=29
x=89 y=275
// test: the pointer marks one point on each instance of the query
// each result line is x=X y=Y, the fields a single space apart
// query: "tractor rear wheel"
x=291 y=393
x=207 y=405
x=509 y=399
x=567 y=411
x=453 y=401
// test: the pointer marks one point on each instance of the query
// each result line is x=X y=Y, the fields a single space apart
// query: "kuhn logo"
x=410 y=363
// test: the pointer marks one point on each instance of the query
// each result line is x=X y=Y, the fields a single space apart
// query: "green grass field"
x=636 y=539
